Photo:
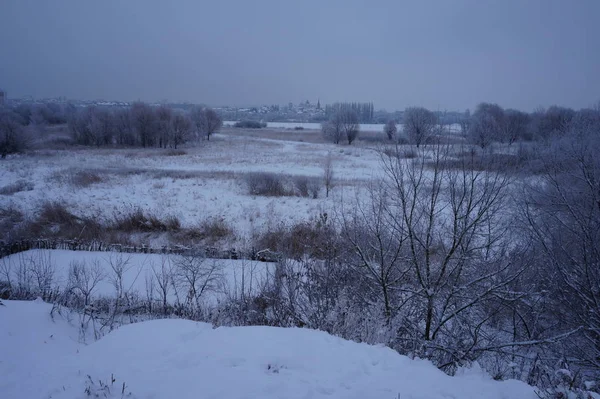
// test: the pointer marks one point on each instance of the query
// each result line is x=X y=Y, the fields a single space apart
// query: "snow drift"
x=41 y=357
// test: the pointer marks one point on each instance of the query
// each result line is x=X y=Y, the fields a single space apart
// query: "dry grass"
x=210 y=229
x=140 y=221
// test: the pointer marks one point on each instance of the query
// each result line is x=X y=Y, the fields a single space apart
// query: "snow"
x=206 y=182
x=137 y=270
x=41 y=358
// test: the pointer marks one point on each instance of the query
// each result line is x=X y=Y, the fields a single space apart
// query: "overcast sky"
x=446 y=54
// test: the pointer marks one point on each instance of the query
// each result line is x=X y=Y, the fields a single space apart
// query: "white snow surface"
x=138 y=268
x=40 y=357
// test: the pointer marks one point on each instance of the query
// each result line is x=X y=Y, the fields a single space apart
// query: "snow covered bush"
x=266 y=184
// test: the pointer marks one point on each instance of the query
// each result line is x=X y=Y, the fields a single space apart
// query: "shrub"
x=315 y=238
x=138 y=220
x=18 y=186
x=306 y=186
x=84 y=178
x=211 y=229
x=216 y=228
x=266 y=184
x=55 y=220
x=250 y=124
x=57 y=213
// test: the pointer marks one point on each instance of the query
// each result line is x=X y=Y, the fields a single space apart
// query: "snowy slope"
x=40 y=358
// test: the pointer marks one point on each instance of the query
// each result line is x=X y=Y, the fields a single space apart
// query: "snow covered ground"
x=230 y=276
x=205 y=181
x=41 y=357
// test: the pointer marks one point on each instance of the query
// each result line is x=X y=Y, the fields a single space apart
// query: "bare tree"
x=164 y=279
x=181 y=126
x=373 y=235
x=144 y=123
x=123 y=125
x=514 y=126
x=164 y=125
x=328 y=173
x=344 y=123
x=487 y=125
x=13 y=138
x=332 y=130
x=206 y=121
x=390 y=129
x=418 y=124
x=101 y=126
x=196 y=276
x=562 y=210
x=442 y=233
x=465 y=123
x=349 y=124
x=84 y=279
x=552 y=121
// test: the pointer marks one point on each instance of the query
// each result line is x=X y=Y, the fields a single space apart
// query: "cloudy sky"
x=446 y=54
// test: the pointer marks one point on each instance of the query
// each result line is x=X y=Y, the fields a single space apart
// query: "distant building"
x=2 y=97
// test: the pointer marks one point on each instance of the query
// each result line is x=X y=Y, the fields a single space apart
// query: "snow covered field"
x=198 y=183
x=42 y=357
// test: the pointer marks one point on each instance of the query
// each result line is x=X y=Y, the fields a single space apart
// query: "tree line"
x=364 y=111
x=490 y=123
x=142 y=125
x=138 y=125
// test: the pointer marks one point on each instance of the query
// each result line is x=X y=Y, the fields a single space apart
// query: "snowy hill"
x=41 y=357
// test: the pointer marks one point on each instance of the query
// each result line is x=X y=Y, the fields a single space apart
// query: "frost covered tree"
x=328 y=174
x=431 y=243
x=342 y=124
x=164 y=125
x=390 y=129
x=514 y=126
x=181 y=127
x=144 y=123
x=332 y=130
x=206 y=121
x=418 y=124
x=486 y=125
x=349 y=124
x=562 y=210
x=195 y=276
x=13 y=138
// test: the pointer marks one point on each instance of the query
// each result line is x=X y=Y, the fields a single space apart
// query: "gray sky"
x=446 y=54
